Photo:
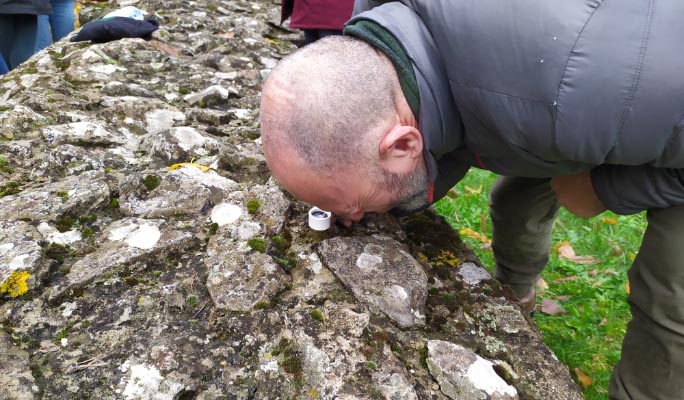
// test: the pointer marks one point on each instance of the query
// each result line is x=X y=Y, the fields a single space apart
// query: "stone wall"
x=146 y=254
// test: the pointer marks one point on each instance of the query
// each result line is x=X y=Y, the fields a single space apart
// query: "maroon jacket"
x=317 y=14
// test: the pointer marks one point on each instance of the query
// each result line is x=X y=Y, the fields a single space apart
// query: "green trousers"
x=652 y=362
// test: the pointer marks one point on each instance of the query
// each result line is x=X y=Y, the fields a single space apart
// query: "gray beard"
x=411 y=191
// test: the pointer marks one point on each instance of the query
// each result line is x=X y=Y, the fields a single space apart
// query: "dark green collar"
x=382 y=39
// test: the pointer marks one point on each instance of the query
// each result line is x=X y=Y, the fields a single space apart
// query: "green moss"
x=192 y=301
x=280 y=244
x=87 y=219
x=64 y=223
x=183 y=91
x=253 y=206
x=371 y=365
x=86 y=232
x=261 y=305
x=10 y=188
x=4 y=165
x=213 y=228
x=257 y=244
x=289 y=262
x=317 y=315
x=113 y=204
x=64 y=195
x=151 y=182
x=423 y=353
x=56 y=252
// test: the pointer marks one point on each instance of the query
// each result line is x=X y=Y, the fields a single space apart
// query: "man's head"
x=337 y=131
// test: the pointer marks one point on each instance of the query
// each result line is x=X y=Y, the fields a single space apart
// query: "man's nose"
x=356 y=217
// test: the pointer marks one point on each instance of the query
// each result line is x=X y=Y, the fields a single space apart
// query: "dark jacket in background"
x=317 y=14
x=541 y=88
x=32 y=7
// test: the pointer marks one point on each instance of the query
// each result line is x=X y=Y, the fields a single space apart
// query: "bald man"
x=574 y=103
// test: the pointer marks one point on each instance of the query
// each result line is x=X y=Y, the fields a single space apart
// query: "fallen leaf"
x=452 y=194
x=593 y=272
x=566 y=251
x=627 y=287
x=470 y=233
x=585 y=380
x=617 y=251
x=563 y=298
x=483 y=222
x=611 y=221
x=603 y=322
x=570 y=278
x=542 y=286
x=550 y=307
x=486 y=246
x=473 y=191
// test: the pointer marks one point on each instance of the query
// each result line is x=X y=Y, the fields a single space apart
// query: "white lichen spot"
x=69 y=308
x=315 y=264
x=19 y=262
x=225 y=213
x=5 y=248
x=398 y=292
x=188 y=138
x=64 y=342
x=271 y=366
x=53 y=235
x=482 y=375
x=145 y=382
x=366 y=261
x=208 y=179
x=145 y=237
x=106 y=69
x=248 y=230
x=138 y=236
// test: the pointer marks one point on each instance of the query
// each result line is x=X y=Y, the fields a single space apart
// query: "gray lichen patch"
x=381 y=275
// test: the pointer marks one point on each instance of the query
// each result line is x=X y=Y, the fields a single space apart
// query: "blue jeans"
x=55 y=26
x=3 y=65
x=17 y=38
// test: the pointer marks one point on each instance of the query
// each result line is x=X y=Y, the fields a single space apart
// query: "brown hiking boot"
x=528 y=302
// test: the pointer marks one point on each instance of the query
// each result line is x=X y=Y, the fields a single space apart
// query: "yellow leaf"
x=610 y=221
x=566 y=251
x=468 y=232
x=585 y=380
x=452 y=194
x=204 y=168
x=473 y=191
x=627 y=288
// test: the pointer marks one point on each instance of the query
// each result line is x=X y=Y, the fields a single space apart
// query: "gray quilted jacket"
x=543 y=88
x=33 y=7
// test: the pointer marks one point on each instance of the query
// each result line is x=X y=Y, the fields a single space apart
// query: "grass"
x=588 y=336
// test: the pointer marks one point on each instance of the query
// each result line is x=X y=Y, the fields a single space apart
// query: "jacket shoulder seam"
x=572 y=49
x=637 y=70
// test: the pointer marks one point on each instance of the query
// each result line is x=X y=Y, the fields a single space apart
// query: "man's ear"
x=400 y=149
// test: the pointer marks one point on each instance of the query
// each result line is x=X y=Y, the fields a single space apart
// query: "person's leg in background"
x=522 y=212
x=311 y=35
x=328 y=32
x=652 y=362
x=6 y=38
x=44 y=36
x=3 y=65
x=17 y=38
x=57 y=25
x=62 y=18
x=25 y=32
